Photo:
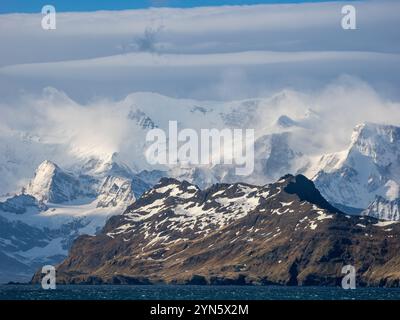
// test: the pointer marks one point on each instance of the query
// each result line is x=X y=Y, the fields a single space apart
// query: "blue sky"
x=30 y=6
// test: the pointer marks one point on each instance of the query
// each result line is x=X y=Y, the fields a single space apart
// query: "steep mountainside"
x=282 y=233
x=33 y=234
x=287 y=140
x=80 y=181
x=370 y=167
x=383 y=209
x=52 y=184
x=140 y=112
x=38 y=226
x=119 y=191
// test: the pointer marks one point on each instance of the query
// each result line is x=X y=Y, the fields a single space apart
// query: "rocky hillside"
x=282 y=233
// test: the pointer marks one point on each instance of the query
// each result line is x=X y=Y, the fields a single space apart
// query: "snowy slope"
x=52 y=184
x=20 y=154
x=120 y=149
x=38 y=226
x=287 y=133
x=58 y=182
x=383 y=209
x=174 y=211
x=370 y=167
x=38 y=237
x=120 y=192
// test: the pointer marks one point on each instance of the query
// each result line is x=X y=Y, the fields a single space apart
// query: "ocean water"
x=169 y=292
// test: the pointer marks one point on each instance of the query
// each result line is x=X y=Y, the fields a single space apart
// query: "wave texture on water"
x=172 y=292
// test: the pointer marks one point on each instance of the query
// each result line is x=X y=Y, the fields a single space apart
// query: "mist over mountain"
x=54 y=127
x=77 y=104
x=97 y=177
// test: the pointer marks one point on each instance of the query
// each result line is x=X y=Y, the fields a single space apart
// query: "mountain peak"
x=42 y=181
x=369 y=167
x=47 y=166
x=286 y=122
x=179 y=233
x=52 y=184
x=306 y=190
x=374 y=131
x=110 y=165
x=165 y=181
x=379 y=142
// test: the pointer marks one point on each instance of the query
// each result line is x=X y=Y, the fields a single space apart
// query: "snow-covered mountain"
x=120 y=150
x=33 y=235
x=370 y=167
x=57 y=184
x=52 y=184
x=39 y=225
x=283 y=233
x=20 y=204
x=20 y=155
x=287 y=140
x=185 y=211
x=120 y=192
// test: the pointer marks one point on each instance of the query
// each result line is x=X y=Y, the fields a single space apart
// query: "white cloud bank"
x=194 y=52
x=103 y=126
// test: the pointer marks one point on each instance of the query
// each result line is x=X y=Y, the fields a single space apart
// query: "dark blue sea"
x=169 y=292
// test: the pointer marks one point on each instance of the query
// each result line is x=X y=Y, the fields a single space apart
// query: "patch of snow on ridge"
x=322 y=216
x=385 y=223
x=167 y=188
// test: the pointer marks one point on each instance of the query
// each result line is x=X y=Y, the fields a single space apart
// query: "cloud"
x=205 y=76
x=340 y=106
x=51 y=125
x=294 y=57
x=102 y=126
x=190 y=52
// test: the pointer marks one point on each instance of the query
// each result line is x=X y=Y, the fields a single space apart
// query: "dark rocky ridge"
x=284 y=233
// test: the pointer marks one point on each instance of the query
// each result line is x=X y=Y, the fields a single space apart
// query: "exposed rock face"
x=119 y=191
x=384 y=209
x=283 y=233
x=21 y=203
x=141 y=119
